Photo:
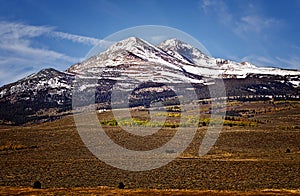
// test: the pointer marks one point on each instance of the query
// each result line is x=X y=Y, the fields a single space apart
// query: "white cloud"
x=77 y=38
x=261 y=60
x=242 y=22
x=15 y=31
x=295 y=47
x=292 y=63
x=24 y=50
x=247 y=22
x=254 y=24
x=12 y=30
x=205 y=4
x=18 y=52
x=7 y=76
x=217 y=8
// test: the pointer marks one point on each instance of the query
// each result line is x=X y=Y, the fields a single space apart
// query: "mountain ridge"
x=182 y=54
x=133 y=61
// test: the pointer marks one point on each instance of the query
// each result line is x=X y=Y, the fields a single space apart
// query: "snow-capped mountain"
x=184 y=51
x=38 y=97
x=146 y=67
x=206 y=65
x=46 y=78
x=131 y=50
x=175 y=55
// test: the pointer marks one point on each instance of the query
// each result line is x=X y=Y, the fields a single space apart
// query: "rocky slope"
x=149 y=70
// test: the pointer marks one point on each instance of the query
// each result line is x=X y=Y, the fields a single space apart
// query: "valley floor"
x=263 y=155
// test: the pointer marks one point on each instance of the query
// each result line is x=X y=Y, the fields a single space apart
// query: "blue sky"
x=37 y=34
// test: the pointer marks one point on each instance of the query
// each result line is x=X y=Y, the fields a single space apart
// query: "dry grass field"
x=135 y=192
x=249 y=157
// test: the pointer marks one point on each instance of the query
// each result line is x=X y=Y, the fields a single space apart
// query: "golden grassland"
x=250 y=156
x=151 y=192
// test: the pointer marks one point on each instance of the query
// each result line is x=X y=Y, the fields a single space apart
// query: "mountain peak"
x=134 y=39
x=172 y=53
x=182 y=50
x=50 y=72
x=174 y=42
x=130 y=40
x=129 y=44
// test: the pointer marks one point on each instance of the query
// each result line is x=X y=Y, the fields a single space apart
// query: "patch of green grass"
x=131 y=122
x=187 y=121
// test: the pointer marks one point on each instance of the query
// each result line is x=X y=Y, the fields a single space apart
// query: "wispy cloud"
x=246 y=22
x=292 y=62
x=18 y=51
x=77 y=38
x=261 y=60
x=295 y=47
x=255 y=24
x=243 y=23
x=218 y=8
x=12 y=30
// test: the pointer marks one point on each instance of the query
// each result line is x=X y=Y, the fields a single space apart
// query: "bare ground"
x=243 y=159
